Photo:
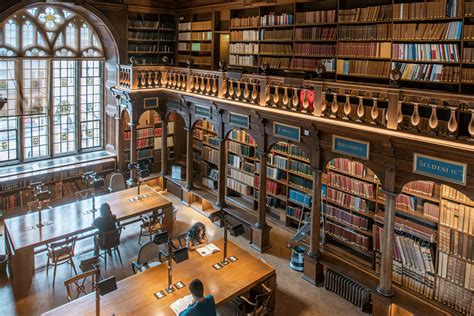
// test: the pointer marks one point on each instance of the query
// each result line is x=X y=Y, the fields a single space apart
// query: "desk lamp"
x=141 y=173
x=235 y=230
x=94 y=182
x=41 y=195
x=178 y=255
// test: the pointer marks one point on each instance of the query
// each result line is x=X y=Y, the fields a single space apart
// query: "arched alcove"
x=350 y=208
x=205 y=154
x=176 y=135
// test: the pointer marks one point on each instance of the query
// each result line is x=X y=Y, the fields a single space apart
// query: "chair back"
x=109 y=239
x=181 y=241
x=148 y=253
x=78 y=285
x=153 y=222
x=61 y=250
x=262 y=301
x=117 y=182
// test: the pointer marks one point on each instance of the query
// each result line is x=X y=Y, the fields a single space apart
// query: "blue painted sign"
x=203 y=110
x=287 y=131
x=173 y=104
x=350 y=147
x=149 y=103
x=442 y=169
x=239 y=120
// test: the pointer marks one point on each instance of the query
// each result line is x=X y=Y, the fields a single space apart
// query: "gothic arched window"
x=51 y=72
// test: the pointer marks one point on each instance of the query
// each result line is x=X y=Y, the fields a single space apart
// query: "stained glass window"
x=51 y=62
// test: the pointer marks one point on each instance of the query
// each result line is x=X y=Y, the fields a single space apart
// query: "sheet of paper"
x=207 y=250
x=181 y=304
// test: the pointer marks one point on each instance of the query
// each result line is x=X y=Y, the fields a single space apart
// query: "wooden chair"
x=258 y=304
x=151 y=224
x=177 y=243
x=117 y=182
x=59 y=253
x=77 y=285
x=108 y=242
x=148 y=257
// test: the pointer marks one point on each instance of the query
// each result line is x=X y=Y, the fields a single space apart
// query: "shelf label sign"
x=204 y=111
x=350 y=147
x=441 y=169
x=150 y=103
x=239 y=120
x=173 y=104
x=287 y=131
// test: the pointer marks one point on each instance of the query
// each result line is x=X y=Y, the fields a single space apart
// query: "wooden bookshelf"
x=151 y=36
x=206 y=154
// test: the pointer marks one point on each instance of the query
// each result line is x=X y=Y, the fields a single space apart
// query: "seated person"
x=201 y=306
x=104 y=223
x=196 y=236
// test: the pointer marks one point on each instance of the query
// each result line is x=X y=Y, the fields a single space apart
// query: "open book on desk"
x=182 y=304
x=208 y=250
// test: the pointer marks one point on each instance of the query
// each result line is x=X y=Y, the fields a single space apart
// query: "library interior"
x=237 y=157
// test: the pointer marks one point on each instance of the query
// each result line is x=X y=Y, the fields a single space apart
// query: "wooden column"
x=385 y=284
x=133 y=154
x=261 y=231
x=221 y=183
x=164 y=148
x=313 y=269
x=189 y=158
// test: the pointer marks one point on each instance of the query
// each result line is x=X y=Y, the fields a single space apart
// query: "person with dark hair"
x=196 y=237
x=104 y=223
x=201 y=306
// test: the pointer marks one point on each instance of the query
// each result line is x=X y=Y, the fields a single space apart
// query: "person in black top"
x=196 y=236
x=104 y=223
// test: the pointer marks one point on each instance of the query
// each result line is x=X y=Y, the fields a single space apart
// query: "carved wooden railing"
x=413 y=111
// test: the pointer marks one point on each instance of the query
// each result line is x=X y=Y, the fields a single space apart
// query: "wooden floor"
x=294 y=296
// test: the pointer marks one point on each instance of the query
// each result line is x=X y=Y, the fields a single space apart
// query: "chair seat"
x=60 y=255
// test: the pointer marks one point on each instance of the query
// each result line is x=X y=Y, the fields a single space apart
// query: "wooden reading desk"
x=135 y=294
x=22 y=236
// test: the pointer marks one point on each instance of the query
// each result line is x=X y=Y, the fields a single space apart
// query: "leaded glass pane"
x=91 y=104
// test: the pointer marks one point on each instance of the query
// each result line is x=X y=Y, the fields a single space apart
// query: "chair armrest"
x=136 y=267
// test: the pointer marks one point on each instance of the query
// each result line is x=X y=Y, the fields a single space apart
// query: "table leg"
x=272 y=283
x=168 y=219
x=22 y=268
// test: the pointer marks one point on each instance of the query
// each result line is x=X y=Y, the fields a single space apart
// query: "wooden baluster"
x=267 y=95
x=452 y=123
x=276 y=97
x=238 y=92
x=334 y=106
x=470 y=127
x=374 y=112
x=285 y=101
x=347 y=108
x=246 y=92
x=324 y=102
x=399 y=113
x=254 y=96
x=202 y=87
x=295 y=100
x=231 y=89
x=415 y=116
x=214 y=86
x=433 y=121
x=208 y=85
x=224 y=87
x=305 y=102
x=360 y=110
x=150 y=79
x=191 y=83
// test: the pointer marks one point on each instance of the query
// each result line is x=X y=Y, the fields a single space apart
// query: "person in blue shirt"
x=201 y=306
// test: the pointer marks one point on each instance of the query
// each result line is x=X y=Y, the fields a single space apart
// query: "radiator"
x=349 y=290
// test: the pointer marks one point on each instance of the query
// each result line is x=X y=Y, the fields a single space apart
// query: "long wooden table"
x=22 y=236
x=135 y=294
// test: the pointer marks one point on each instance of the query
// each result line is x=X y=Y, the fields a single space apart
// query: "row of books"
x=405 y=202
x=314 y=49
x=297 y=212
x=276 y=35
x=468 y=33
x=420 y=188
x=272 y=202
x=454 y=194
x=300 y=167
x=211 y=140
x=375 y=49
x=425 y=72
x=243 y=48
x=301 y=182
x=150 y=24
x=367 y=68
x=373 y=32
x=144 y=142
x=195 y=36
x=144 y=132
x=354 y=186
x=468 y=75
x=22 y=198
x=277 y=49
x=281 y=147
x=315 y=33
x=143 y=35
x=238 y=186
x=209 y=183
x=143 y=48
x=144 y=153
x=241 y=149
x=246 y=35
x=367 y=14
x=273 y=19
x=408 y=227
x=242 y=177
x=348 y=201
x=422 y=283
x=239 y=60
x=315 y=17
x=456 y=243
x=347 y=235
x=431 y=210
x=345 y=217
x=419 y=10
x=210 y=155
x=468 y=55
x=276 y=62
x=276 y=174
x=452 y=295
x=202 y=60
x=311 y=63
x=299 y=198
x=188 y=26
x=158 y=142
x=69 y=188
x=297 y=152
x=242 y=136
x=428 y=31
x=426 y=52
x=457 y=216
x=271 y=187
x=351 y=167
x=197 y=47
x=248 y=21
x=277 y=160
x=234 y=161
x=456 y=270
